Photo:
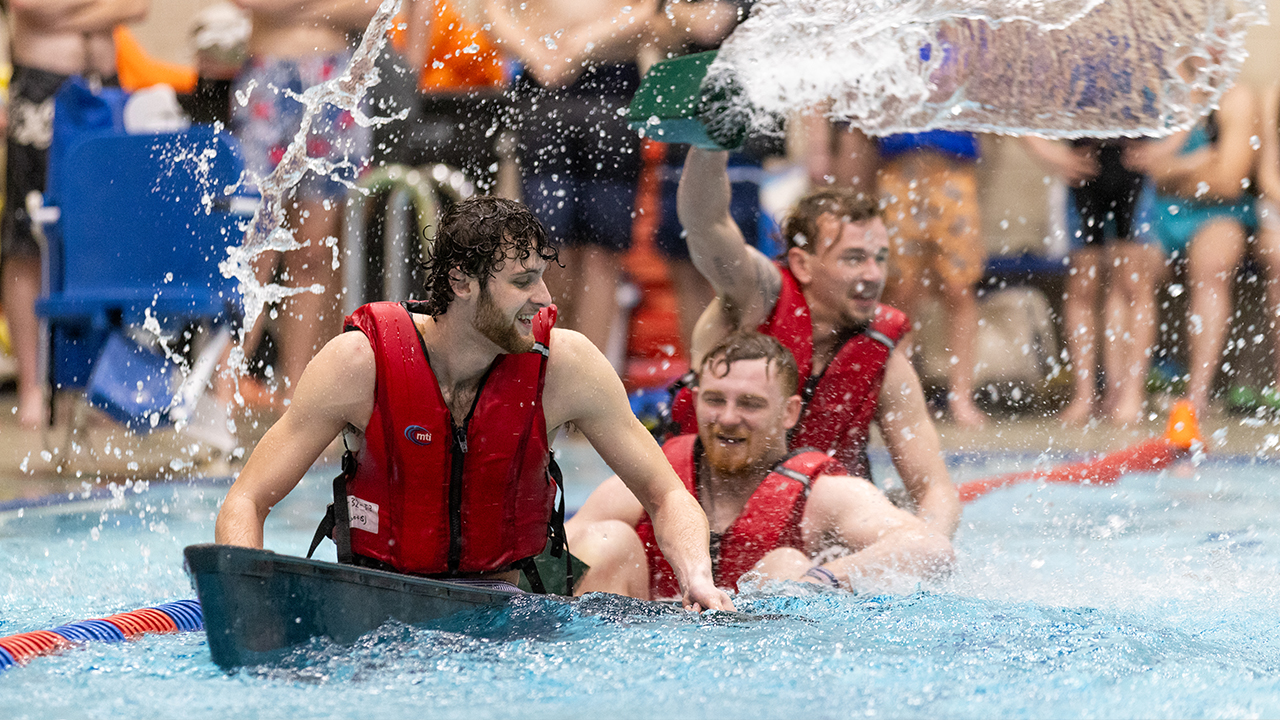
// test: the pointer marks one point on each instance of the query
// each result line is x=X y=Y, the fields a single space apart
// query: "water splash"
x=1073 y=68
x=267 y=231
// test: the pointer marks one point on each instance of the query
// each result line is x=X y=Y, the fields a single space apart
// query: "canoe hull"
x=258 y=604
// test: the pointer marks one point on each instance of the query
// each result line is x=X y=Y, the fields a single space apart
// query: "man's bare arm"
x=885 y=540
x=558 y=61
x=616 y=36
x=610 y=501
x=89 y=16
x=913 y=444
x=583 y=388
x=747 y=282
x=1214 y=171
x=334 y=391
x=1269 y=153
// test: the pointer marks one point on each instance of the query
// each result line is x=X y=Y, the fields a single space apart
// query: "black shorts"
x=31 y=94
x=1112 y=195
x=579 y=158
x=459 y=129
x=745 y=175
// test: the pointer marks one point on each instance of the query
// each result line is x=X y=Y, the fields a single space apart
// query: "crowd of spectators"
x=559 y=76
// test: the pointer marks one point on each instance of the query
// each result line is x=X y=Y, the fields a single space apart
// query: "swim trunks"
x=31 y=94
x=1178 y=219
x=580 y=159
x=265 y=116
x=930 y=202
x=745 y=176
x=1107 y=205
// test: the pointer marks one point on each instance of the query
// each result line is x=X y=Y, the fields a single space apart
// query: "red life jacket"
x=770 y=520
x=839 y=404
x=427 y=500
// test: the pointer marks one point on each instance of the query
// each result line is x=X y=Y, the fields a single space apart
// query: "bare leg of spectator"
x=1134 y=270
x=962 y=334
x=308 y=320
x=21 y=286
x=1268 y=248
x=562 y=283
x=596 y=306
x=1082 y=330
x=693 y=294
x=1212 y=258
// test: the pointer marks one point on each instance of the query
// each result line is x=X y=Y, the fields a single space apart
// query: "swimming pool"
x=1151 y=598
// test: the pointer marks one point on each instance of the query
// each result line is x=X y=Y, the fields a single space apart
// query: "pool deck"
x=57 y=461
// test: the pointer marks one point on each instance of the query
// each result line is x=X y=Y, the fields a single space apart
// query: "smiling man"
x=449 y=409
x=821 y=300
x=774 y=512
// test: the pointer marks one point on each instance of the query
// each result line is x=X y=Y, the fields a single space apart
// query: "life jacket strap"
x=336 y=523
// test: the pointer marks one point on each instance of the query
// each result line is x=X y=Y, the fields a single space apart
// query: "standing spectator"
x=460 y=80
x=1268 y=174
x=579 y=159
x=1205 y=212
x=52 y=40
x=1111 y=250
x=294 y=45
x=929 y=192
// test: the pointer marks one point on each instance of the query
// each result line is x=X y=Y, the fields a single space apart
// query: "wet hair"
x=752 y=345
x=800 y=228
x=476 y=237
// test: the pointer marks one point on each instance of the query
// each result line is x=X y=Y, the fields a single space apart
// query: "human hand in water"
x=702 y=594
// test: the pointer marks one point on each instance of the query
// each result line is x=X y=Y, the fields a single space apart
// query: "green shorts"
x=555 y=572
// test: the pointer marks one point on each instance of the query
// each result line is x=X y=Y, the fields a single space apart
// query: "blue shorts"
x=266 y=123
x=1177 y=220
x=744 y=204
x=578 y=211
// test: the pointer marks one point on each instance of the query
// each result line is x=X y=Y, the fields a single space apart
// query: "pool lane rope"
x=177 y=616
x=1180 y=439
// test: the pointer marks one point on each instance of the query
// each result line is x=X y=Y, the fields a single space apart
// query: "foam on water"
x=1073 y=68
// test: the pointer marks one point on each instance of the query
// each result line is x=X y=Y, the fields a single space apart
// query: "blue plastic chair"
x=136 y=225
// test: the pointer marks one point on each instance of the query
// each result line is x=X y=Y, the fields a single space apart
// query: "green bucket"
x=677 y=103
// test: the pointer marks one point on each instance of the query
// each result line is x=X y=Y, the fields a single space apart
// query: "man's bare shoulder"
x=580 y=379
x=837 y=499
x=340 y=381
x=573 y=358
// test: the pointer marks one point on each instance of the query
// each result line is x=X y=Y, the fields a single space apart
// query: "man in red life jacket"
x=821 y=300
x=451 y=411
x=771 y=510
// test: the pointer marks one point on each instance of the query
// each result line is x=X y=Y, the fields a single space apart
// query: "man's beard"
x=499 y=330
x=724 y=461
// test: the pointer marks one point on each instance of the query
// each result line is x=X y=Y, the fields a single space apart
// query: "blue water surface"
x=1151 y=598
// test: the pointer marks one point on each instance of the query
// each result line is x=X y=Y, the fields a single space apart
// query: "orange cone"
x=1184 y=429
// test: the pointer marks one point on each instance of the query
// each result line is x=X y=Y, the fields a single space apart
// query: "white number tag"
x=363 y=514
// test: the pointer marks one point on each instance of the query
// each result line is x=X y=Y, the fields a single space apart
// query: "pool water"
x=1152 y=598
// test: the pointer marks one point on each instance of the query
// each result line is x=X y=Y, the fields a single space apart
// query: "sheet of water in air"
x=1067 y=68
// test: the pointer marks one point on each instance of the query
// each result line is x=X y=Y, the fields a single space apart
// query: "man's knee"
x=615 y=554
x=783 y=564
